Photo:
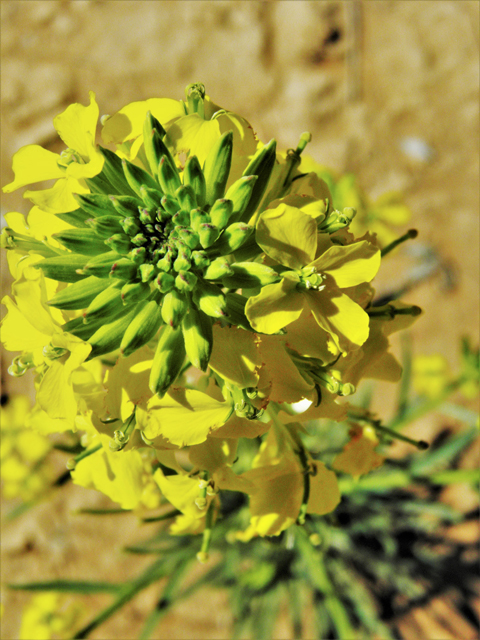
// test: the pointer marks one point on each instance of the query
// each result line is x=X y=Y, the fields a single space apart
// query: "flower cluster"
x=186 y=288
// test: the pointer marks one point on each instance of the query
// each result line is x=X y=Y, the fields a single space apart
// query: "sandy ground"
x=362 y=77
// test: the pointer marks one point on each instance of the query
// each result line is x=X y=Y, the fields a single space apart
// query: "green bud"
x=63 y=268
x=155 y=148
x=181 y=219
x=240 y=193
x=207 y=234
x=221 y=212
x=233 y=238
x=147 y=272
x=138 y=255
x=165 y=263
x=200 y=259
x=96 y=205
x=101 y=265
x=124 y=269
x=146 y=217
x=198 y=217
x=168 y=177
x=126 y=206
x=198 y=337
x=108 y=336
x=186 y=198
x=261 y=165
x=218 y=268
x=248 y=275
x=84 y=241
x=113 y=171
x=130 y=225
x=151 y=197
x=183 y=261
x=195 y=98
x=164 y=282
x=193 y=176
x=170 y=204
x=78 y=218
x=133 y=292
x=167 y=361
x=189 y=237
x=83 y=331
x=105 y=304
x=217 y=167
x=137 y=177
x=139 y=240
x=174 y=307
x=210 y=299
x=142 y=328
x=236 y=310
x=105 y=226
x=185 y=281
x=119 y=242
x=78 y=295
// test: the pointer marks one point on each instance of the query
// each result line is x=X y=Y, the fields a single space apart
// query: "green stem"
x=202 y=555
x=411 y=233
x=88 y=452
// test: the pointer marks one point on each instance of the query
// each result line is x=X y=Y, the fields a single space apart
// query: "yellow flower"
x=76 y=126
x=278 y=481
x=23 y=451
x=49 y=616
x=431 y=375
x=359 y=456
x=192 y=127
x=123 y=476
x=315 y=273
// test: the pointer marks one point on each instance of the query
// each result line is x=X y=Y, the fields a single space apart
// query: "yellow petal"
x=127 y=124
x=237 y=427
x=336 y=313
x=359 y=456
x=306 y=338
x=181 y=491
x=324 y=491
x=350 y=265
x=213 y=454
x=235 y=356
x=275 y=307
x=117 y=474
x=33 y=164
x=193 y=135
x=77 y=126
x=18 y=334
x=275 y=503
x=288 y=236
x=188 y=423
x=279 y=377
x=59 y=198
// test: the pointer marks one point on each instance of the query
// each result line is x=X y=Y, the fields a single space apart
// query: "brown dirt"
x=361 y=76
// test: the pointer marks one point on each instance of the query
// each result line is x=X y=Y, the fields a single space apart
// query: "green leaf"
x=68 y=586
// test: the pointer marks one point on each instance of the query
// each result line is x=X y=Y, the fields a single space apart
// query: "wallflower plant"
x=182 y=287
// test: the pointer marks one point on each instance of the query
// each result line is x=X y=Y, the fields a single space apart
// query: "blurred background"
x=390 y=92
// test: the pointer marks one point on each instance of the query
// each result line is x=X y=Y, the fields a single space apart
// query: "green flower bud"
x=208 y=234
x=174 y=307
x=193 y=176
x=84 y=241
x=185 y=281
x=119 y=242
x=164 y=282
x=221 y=212
x=217 y=167
x=168 y=177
